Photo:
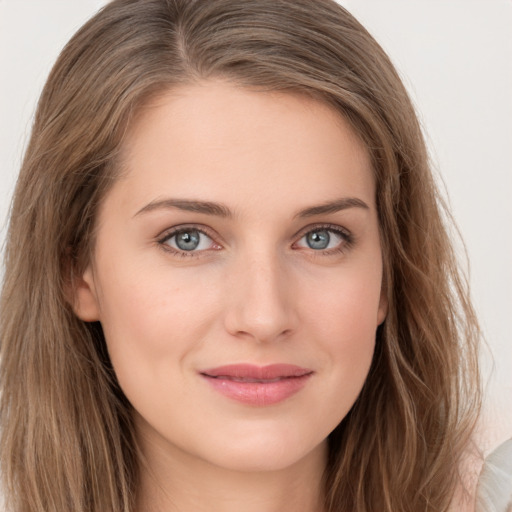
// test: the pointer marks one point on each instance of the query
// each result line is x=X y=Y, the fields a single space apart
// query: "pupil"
x=188 y=240
x=318 y=239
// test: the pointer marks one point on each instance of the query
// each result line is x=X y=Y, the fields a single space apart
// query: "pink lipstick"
x=257 y=385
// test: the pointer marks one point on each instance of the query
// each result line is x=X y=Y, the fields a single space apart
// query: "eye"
x=187 y=240
x=325 y=239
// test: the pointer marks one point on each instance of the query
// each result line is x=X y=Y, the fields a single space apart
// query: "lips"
x=257 y=385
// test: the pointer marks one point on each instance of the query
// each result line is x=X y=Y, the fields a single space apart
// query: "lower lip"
x=258 y=393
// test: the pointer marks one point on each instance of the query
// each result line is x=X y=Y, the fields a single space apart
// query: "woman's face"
x=237 y=275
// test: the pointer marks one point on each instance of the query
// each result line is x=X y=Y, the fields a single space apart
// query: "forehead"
x=228 y=143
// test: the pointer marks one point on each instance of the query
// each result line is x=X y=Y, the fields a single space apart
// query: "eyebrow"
x=220 y=210
x=333 y=207
x=205 y=207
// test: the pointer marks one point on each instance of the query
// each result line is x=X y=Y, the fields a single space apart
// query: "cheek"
x=139 y=302
x=151 y=320
x=344 y=321
x=346 y=308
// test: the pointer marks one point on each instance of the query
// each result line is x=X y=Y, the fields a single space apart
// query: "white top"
x=494 y=491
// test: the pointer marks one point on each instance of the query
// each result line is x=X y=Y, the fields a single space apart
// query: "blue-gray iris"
x=188 y=240
x=318 y=239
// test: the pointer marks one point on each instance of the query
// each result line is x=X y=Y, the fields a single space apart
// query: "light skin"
x=277 y=260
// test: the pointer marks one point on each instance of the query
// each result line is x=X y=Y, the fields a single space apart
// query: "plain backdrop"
x=455 y=57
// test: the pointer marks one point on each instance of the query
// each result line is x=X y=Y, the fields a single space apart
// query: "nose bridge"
x=260 y=305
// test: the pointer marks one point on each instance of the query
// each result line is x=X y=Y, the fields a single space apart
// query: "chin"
x=264 y=453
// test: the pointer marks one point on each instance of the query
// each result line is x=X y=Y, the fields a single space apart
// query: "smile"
x=241 y=379
x=257 y=385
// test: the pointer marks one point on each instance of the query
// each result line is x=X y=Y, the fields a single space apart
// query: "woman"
x=228 y=282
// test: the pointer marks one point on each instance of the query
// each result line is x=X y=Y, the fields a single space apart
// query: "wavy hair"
x=67 y=440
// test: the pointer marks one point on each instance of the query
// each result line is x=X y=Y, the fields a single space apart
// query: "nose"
x=261 y=306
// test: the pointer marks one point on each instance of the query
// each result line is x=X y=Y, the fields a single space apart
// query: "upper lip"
x=250 y=371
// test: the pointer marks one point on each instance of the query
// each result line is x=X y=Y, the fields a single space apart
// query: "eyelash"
x=162 y=241
x=347 y=237
x=347 y=240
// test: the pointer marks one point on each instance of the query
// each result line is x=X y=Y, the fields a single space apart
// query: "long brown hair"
x=67 y=439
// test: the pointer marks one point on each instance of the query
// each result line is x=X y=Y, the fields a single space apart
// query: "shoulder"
x=494 y=488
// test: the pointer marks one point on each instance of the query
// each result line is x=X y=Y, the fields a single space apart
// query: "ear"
x=383 y=307
x=382 y=311
x=84 y=298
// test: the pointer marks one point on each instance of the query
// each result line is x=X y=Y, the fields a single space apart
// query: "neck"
x=172 y=480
